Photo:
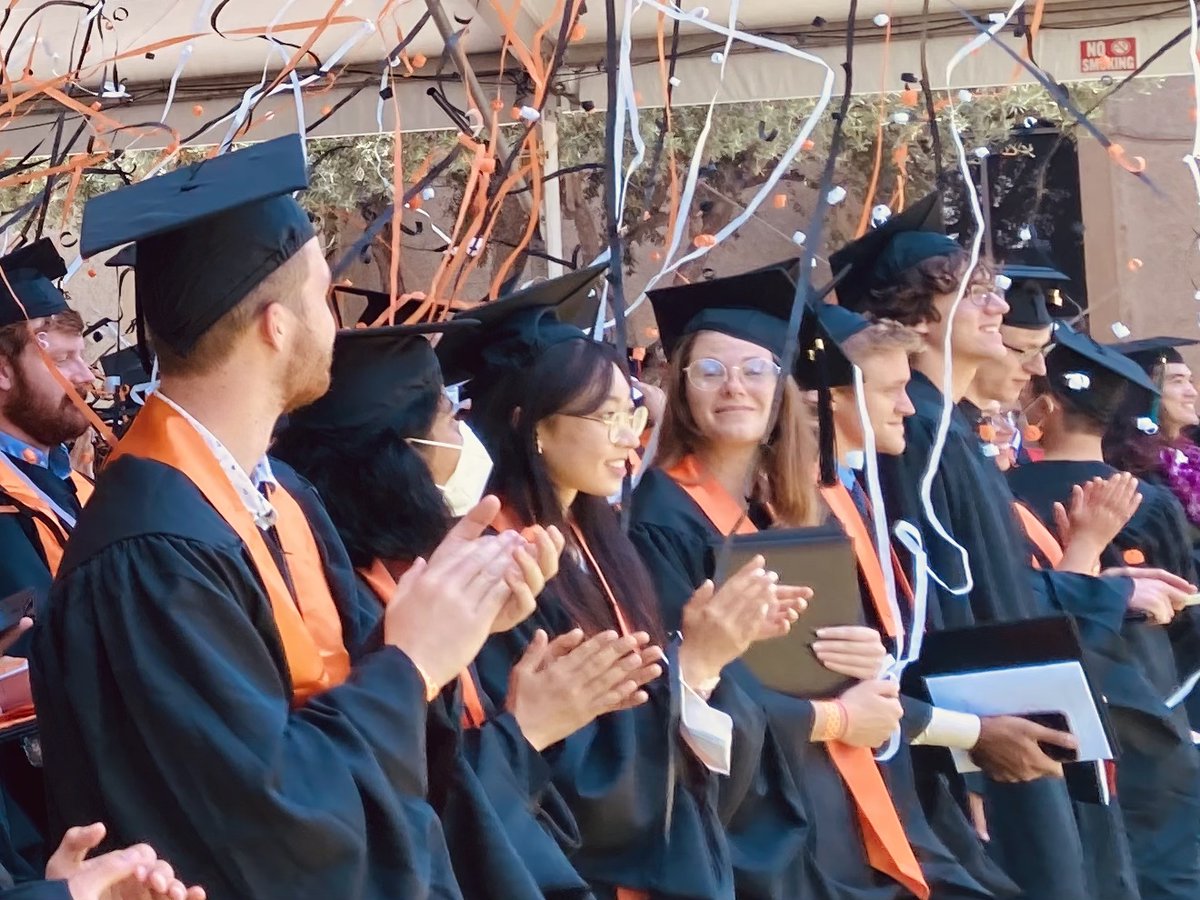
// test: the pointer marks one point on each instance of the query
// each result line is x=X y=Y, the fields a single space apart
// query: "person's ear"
x=275 y=323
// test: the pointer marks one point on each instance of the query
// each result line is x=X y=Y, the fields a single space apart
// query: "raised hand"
x=444 y=609
x=135 y=873
x=537 y=563
x=790 y=604
x=553 y=691
x=1099 y=510
x=719 y=625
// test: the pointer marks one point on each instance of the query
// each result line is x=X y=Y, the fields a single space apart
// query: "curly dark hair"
x=1128 y=448
x=909 y=297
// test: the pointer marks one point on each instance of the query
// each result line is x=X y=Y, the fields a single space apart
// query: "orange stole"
x=53 y=539
x=309 y=626
x=841 y=504
x=380 y=580
x=887 y=847
x=1037 y=532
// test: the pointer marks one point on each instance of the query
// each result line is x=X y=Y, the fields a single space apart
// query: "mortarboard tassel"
x=825 y=430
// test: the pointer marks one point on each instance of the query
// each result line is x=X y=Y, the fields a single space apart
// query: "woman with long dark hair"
x=556 y=413
x=386 y=453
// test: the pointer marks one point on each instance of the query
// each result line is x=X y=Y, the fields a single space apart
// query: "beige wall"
x=1126 y=220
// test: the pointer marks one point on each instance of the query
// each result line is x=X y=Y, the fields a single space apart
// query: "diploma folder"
x=1034 y=669
x=820 y=558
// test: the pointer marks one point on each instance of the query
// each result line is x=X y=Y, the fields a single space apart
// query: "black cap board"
x=125 y=257
x=907 y=238
x=823 y=333
x=377 y=373
x=1031 y=294
x=1086 y=355
x=516 y=329
x=207 y=234
x=1156 y=351
x=377 y=303
x=754 y=306
x=31 y=272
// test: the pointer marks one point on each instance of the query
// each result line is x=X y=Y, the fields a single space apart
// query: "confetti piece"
x=1030 y=122
x=882 y=19
x=1025 y=234
x=1133 y=164
x=798 y=238
x=780 y=201
x=965 y=96
x=705 y=240
x=428 y=193
x=856 y=460
x=1146 y=425
x=982 y=152
x=418 y=60
x=807 y=145
x=1077 y=381
x=996 y=18
x=529 y=114
x=909 y=97
x=1003 y=282
x=674 y=81
x=1121 y=332
x=900 y=118
x=1134 y=264
x=836 y=196
x=197 y=110
x=578 y=33
x=990 y=451
x=718 y=57
x=880 y=214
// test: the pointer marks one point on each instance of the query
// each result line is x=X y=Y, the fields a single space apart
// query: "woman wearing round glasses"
x=556 y=412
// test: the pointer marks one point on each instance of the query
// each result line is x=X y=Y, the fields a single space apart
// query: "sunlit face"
x=310 y=357
x=734 y=409
x=975 y=332
x=885 y=396
x=1004 y=378
x=31 y=398
x=588 y=453
x=1178 y=405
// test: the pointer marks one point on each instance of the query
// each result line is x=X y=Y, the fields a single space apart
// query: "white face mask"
x=465 y=486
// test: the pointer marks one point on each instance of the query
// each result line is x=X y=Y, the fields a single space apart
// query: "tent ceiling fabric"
x=56 y=28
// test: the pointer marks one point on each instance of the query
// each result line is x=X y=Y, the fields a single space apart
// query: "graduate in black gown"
x=198 y=668
x=554 y=409
x=1158 y=777
x=1150 y=438
x=724 y=338
x=908 y=270
x=388 y=423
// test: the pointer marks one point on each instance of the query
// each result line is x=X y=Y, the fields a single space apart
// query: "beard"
x=46 y=414
x=308 y=372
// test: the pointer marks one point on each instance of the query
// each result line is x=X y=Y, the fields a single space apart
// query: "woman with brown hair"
x=718 y=444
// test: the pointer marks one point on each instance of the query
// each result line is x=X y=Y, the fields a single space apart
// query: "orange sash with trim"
x=841 y=504
x=309 y=626
x=1041 y=536
x=53 y=539
x=380 y=580
x=887 y=846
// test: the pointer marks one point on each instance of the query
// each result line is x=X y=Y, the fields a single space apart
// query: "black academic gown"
x=165 y=709
x=509 y=831
x=1158 y=778
x=824 y=857
x=1034 y=834
x=647 y=810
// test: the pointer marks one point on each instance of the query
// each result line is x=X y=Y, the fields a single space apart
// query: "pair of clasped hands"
x=476 y=584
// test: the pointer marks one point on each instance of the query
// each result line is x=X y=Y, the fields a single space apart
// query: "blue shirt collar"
x=57 y=461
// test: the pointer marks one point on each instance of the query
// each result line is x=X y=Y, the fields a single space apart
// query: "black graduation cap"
x=1075 y=351
x=378 y=303
x=207 y=234
x=754 y=306
x=516 y=329
x=904 y=240
x=125 y=257
x=1156 y=351
x=823 y=333
x=1031 y=295
x=377 y=374
x=125 y=364
x=31 y=272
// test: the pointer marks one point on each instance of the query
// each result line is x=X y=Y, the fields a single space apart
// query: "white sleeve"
x=946 y=728
x=706 y=730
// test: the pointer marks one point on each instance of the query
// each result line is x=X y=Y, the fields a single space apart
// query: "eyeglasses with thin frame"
x=1029 y=355
x=711 y=374
x=619 y=422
